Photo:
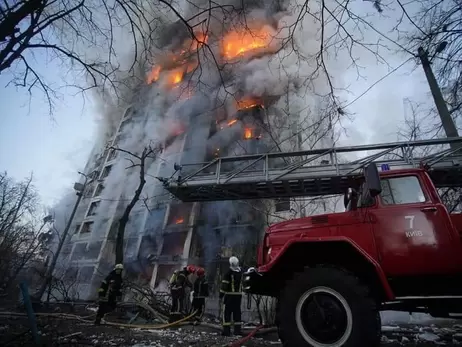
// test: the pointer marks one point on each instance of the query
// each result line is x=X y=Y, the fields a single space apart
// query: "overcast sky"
x=30 y=141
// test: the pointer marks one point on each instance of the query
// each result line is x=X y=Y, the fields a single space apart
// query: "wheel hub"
x=323 y=317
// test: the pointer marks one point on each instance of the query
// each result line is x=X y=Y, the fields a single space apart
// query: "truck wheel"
x=327 y=307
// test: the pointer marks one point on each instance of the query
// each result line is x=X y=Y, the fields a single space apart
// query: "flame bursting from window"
x=248 y=103
x=239 y=43
x=179 y=221
x=248 y=133
x=232 y=121
x=175 y=76
x=153 y=75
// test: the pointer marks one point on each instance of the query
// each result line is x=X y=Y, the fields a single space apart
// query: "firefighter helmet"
x=119 y=267
x=191 y=269
x=234 y=262
x=200 y=271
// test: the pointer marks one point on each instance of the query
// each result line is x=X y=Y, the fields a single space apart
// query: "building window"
x=79 y=251
x=93 y=249
x=282 y=205
x=88 y=191
x=71 y=274
x=93 y=207
x=77 y=228
x=106 y=171
x=179 y=214
x=99 y=189
x=87 y=227
x=401 y=190
x=85 y=274
x=93 y=175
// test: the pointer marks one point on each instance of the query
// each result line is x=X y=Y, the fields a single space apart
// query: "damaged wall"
x=198 y=111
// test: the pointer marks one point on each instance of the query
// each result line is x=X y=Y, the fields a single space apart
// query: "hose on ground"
x=239 y=342
x=84 y=319
x=152 y=327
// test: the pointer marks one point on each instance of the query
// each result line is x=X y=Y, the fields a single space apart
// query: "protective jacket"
x=231 y=293
x=201 y=288
x=111 y=287
x=231 y=283
x=179 y=280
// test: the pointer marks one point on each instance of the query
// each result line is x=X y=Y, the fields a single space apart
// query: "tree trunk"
x=119 y=249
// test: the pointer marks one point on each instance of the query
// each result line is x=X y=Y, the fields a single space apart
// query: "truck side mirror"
x=350 y=196
x=371 y=174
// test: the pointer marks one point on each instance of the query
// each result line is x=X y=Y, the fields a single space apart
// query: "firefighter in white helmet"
x=109 y=292
x=231 y=294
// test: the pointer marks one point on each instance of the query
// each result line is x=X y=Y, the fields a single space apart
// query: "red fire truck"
x=396 y=246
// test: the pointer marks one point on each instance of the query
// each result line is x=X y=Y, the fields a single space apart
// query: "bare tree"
x=137 y=161
x=21 y=233
x=420 y=124
x=436 y=27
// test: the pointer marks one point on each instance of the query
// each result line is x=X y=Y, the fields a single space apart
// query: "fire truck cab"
x=396 y=247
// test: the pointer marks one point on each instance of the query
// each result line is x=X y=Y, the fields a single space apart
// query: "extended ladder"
x=309 y=173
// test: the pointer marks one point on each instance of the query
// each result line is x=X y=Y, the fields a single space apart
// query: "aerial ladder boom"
x=310 y=173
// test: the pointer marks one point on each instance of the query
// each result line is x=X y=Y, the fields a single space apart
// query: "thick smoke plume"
x=228 y=60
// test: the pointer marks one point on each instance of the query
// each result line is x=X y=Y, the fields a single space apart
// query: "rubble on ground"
x=14 y=331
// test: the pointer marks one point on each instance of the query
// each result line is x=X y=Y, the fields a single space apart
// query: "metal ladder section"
x=310 y=173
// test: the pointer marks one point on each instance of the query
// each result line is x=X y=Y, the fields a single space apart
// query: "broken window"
x=87 y=227
x=131 y=248
x=93 y=207
x=99 y=189
x=179 y=214
x=88 y=191
x=93 y=175
x=282 y=205
x=148 y=247
x=173 y=243
x=106 y=171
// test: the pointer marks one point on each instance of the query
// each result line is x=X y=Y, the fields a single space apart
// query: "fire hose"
x=84 y=319
x=244 y=339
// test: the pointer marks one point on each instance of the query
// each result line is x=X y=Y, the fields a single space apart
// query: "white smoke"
x=157 y=110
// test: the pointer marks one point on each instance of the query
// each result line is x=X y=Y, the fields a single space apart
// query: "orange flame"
x=239 y=43
x=247 y=133
x=232 y=121
x=201 y=40
x=248 y=103
x=179 y=221
x=153 y=75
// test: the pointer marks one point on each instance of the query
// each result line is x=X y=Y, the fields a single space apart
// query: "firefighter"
x=178 y=283
x=200 y=292
x=231 y=296
x=109 y=292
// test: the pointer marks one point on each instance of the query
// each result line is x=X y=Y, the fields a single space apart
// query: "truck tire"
x=327 y=307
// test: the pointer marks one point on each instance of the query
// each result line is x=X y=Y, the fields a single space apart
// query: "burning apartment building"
x=210 y=93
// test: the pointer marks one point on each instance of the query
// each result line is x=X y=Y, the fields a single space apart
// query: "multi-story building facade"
x=164 y=234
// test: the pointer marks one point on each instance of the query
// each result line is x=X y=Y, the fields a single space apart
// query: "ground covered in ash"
x=59 y=331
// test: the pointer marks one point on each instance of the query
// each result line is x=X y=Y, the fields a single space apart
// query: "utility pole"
x=79 y=188
x=446 y=119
